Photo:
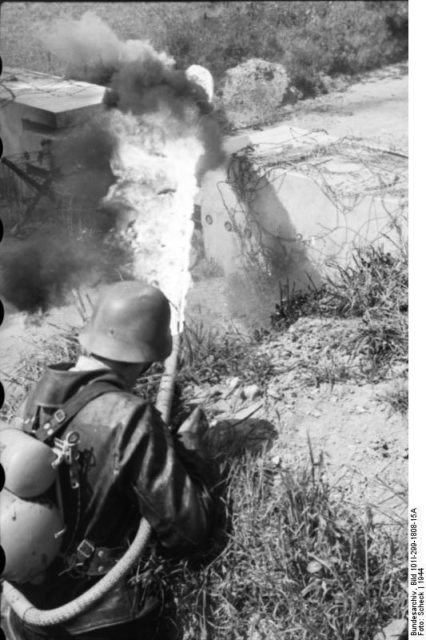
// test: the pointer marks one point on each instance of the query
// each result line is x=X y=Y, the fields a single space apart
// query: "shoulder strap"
x=65 y=413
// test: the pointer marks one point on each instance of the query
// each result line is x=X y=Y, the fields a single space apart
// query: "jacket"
x=129 y=466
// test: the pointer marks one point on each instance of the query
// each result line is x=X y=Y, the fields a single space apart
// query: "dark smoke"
x=83 y=161
x=138 y=79
x=36 y=273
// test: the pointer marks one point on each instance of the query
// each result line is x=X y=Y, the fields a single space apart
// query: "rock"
x=249 y=410
x=252 y=391
x=222 y=407
x=395 y=630
x=253 y=90
x=292 y=95
x=233 y=383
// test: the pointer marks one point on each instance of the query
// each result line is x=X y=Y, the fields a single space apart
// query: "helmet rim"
x=120 y=350
x=130 y=323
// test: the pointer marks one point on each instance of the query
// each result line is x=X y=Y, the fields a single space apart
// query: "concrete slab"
x=49 y=98
x=36 y=105
x=291 y=201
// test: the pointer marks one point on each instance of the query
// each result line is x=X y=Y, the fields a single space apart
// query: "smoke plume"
x=138 y=79
x=126 y=178
x=36 y=273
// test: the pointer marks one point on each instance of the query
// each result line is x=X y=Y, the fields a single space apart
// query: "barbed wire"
x=26 y=86
x=347 y=172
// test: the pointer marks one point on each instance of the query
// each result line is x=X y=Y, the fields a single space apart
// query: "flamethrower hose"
x=42 y=618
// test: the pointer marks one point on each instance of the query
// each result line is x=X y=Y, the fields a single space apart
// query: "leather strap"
x=94 y=561
x=66 y=412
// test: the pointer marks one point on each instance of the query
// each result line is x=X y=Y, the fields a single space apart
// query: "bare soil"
x=372 y=106
x=359 y=439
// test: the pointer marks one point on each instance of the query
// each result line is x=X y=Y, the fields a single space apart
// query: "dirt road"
x=374 y=107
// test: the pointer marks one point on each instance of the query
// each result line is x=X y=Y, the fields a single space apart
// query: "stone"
x=252 y=391
x=233 y=383
x=252 y=91
x=248 y=411
x=395 y=630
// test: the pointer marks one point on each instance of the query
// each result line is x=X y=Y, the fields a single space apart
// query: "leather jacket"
x=130 y=466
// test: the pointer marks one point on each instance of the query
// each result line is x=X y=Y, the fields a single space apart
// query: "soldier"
x=129 y=465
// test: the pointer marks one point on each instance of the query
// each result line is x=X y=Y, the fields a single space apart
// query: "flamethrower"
x=165 y=165
x=27 y=611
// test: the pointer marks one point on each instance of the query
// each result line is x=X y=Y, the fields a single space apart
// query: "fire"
x=155 y=167
x=164 y=139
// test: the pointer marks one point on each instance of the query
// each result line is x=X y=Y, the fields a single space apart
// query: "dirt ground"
x=361 y=443
x=375 y=106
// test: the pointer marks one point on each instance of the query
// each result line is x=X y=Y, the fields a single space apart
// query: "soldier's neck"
x=89 y=363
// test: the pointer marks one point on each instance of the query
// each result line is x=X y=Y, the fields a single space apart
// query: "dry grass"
x=373 y=289
x=309 y=38
x=299 y=563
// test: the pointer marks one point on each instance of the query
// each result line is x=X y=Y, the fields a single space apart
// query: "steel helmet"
x=130 y=323
x=27 y=463
x=30 y=536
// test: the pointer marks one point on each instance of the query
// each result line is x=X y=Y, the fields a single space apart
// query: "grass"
x=396 y=397
x=373 y=289
x=209 y=355
x=308 y=38
x=299 y=560
x=299 y=563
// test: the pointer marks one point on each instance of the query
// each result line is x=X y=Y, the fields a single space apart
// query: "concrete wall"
x=290 y=223
x=35 y=106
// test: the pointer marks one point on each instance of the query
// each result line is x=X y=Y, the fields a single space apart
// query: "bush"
x=299 y=561
x=308 y=38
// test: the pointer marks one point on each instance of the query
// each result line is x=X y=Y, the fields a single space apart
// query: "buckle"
x=85 y=549
x=59 y=415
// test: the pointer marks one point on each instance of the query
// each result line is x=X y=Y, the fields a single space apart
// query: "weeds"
x=294 y=304
x=374 y=288
x=308 y=38
x=376 y=280
x=330 y=371
x=396 y=397
x=299 y=563
x=209 y=355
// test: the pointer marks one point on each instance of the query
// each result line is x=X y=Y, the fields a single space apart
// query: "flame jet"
x=165 y=137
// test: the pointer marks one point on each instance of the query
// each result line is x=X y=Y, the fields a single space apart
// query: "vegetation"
x=373 y=288
x=308 y=38
x=299 y=562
